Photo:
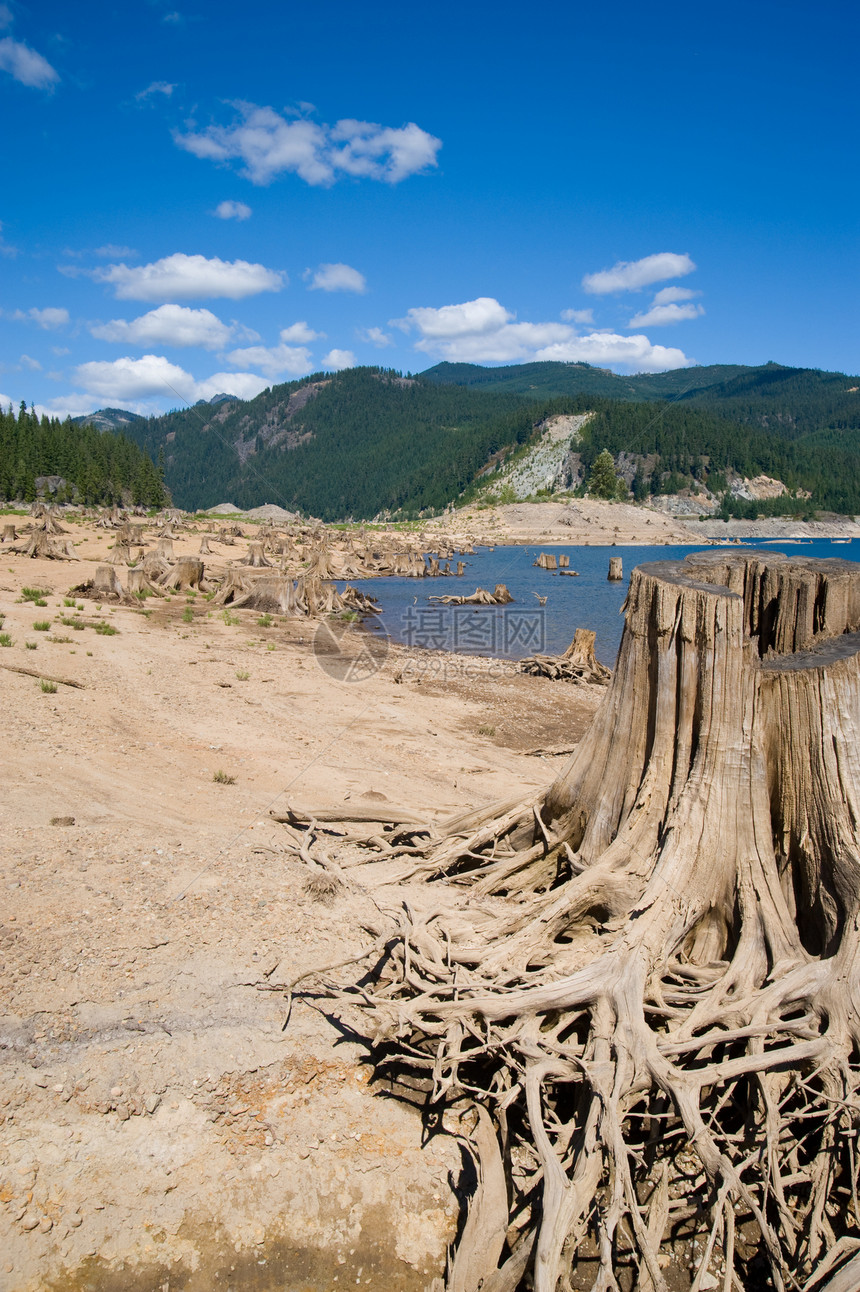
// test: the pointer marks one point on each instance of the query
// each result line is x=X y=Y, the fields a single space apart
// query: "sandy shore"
x=159 y=1125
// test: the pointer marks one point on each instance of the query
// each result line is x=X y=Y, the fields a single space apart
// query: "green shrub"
x=188 y=615
x=31 y=645
x=50 y=688
x=106 y=630
x=265 y=621
x=41 y=625
x=5 y=639
x=35 y=594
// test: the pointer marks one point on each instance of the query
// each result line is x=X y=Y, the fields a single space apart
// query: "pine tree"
x=602 y=481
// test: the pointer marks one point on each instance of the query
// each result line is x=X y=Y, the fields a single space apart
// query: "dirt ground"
x=163 y=1124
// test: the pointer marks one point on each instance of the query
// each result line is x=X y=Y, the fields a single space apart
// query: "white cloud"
x=299 y=333
x=275 y=361
x=189 y=276
x=479 y=331
x=232 y=211
x=661 y=315
x=375 y=336
x=156 y=87
x=578 y=316
x=337 y=278
x=337 y=360
x=169 y=325
x=667 y=295
x=607 y=349
x=32 y=364
x=633 y=275
x=5 y=249
x=111 y=251
x=48 y=318
x=25 y=65
x=244 y=385
x=269 y=144
x=153 y=375
x=483 y=331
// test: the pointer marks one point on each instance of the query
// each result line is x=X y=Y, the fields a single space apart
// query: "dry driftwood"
x=649 y=975
x=480 y=597
x=34 y=672
x=577 y=664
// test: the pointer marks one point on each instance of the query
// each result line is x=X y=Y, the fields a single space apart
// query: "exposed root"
x=647 y=980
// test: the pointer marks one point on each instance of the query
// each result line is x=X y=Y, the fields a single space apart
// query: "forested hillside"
x=366 y=441
x=99 y=467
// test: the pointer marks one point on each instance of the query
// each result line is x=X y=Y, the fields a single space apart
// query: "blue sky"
x=211 y=198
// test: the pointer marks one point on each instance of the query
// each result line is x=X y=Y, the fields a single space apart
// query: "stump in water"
x=616 y=569
x=546 y=561
x=649 y=976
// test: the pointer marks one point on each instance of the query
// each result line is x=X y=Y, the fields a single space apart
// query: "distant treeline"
x=99 y=467
x=367 y=441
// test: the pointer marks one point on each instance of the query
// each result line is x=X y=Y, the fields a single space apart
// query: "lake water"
x=511 y=632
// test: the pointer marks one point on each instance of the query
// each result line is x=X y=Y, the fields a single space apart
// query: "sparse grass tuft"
x=31 y=645
x=188 y=615
x=42 y=626
x=5 y=639
x=69 y=601
x=242 y=675
x=221 y=778
x=106 y=630
x=265 y=621
x=49 y=688
x=229 y=618
x=59 y=640
x=486 y=730
x=35 y=594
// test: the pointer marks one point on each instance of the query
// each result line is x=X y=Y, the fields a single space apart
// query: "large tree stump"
x=186 y=573
x=649 y=976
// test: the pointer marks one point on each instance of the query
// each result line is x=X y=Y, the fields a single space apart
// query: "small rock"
x=46 y=1224
x=151 y=1103
x=123 y=1112
x=42 y=1082
x=29 y=1221
x=75 y=1221
x=116 y=1092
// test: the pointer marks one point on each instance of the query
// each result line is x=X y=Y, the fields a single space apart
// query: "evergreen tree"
x=602 y=480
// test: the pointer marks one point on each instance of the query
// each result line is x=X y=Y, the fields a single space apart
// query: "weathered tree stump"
x=139 y=581
x=256 y=558
x=616 y=569
x=186 y=573
x=648 y=977
x=546 y=561
x=164 y=549
x=204 y=549
x=9 y=534
x=120 y=554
